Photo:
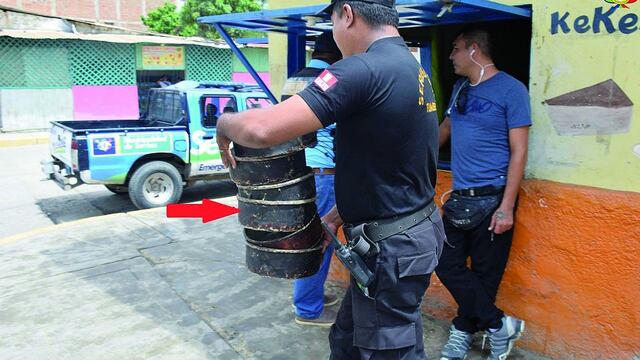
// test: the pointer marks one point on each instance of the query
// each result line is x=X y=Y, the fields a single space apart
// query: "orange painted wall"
x=573 y=273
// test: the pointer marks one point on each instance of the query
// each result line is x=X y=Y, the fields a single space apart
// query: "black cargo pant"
x=387 y=324
x=474 y=288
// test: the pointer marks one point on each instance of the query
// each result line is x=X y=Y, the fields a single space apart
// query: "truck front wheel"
x=155 y=184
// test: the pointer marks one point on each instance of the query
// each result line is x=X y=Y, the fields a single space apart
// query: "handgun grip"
x=354 y=264
x=334 y=238
x=361 y=272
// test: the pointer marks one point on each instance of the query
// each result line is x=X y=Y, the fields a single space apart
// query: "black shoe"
x=325 y=320
x=330 y=300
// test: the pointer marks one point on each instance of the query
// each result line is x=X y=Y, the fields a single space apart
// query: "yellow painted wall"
x=566 y=62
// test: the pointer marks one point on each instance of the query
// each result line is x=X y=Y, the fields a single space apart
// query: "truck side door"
x=205 y=155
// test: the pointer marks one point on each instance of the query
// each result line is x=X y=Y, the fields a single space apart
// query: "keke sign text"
x=601 y=22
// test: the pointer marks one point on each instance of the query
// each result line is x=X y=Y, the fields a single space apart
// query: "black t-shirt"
x=387 y=130
x=299 y=81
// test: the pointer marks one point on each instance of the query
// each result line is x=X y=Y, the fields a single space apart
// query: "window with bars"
x=44 y=63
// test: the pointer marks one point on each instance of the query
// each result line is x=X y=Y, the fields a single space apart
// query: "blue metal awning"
x=413 y=13
x=302 y=22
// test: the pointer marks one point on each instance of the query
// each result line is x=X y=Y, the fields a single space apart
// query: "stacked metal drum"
x=276 y=197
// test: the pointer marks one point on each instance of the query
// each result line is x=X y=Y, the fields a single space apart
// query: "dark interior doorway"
x=511 y=54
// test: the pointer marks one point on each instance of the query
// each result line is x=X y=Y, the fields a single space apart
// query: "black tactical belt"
x=378 y=230
x=480 y=191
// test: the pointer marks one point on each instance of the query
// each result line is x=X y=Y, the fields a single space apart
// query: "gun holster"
x=351 y=260
x=360 y=242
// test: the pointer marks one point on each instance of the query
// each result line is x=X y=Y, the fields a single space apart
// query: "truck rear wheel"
x=155 y=184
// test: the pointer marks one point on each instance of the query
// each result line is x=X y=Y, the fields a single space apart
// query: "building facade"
x=54 y=69
x=124 y=13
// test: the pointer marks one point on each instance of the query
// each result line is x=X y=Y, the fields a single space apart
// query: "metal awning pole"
x=296 y=56
x=425 y=58
x=245 y=62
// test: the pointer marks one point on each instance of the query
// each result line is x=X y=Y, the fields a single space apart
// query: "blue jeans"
x=308 y=293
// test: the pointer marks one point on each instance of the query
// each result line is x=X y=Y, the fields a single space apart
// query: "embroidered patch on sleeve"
x=326 y=80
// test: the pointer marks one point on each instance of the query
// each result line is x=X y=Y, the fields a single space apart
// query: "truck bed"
x=111 y=125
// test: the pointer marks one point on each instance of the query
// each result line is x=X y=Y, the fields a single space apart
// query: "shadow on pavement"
x=82 y=205
x=140 y=286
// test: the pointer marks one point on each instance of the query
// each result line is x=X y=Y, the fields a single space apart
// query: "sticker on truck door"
x=130 y=144
x=146 y=143
x=111 y=155
x=205 y=155
x=104 y=146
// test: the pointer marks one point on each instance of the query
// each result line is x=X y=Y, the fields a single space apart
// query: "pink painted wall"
x=105 y=102
x=246 y=78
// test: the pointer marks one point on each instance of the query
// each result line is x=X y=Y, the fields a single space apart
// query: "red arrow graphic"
x=208 y=210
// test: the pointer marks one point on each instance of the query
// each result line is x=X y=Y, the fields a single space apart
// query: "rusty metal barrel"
x=276 y=198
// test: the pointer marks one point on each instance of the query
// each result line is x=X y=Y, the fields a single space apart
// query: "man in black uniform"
x=387 y=143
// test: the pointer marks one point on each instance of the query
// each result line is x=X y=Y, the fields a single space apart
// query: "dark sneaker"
x=501 y=341
x=330 y=300
x=325 y=320
x=457 y=346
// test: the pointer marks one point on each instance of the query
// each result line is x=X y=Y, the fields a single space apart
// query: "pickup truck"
x=152 y=158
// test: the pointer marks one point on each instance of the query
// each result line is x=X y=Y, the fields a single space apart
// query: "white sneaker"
x=501 y=341
x=457 y=346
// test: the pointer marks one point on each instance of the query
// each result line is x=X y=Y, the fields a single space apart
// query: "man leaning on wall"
x=488 y=122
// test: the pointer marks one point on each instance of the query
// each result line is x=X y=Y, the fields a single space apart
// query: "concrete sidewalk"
x=140 y=286
x=8 y=139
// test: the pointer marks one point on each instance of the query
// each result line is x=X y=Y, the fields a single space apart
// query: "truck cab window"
x=165 y=108
x=211 y=107
x=257 y=103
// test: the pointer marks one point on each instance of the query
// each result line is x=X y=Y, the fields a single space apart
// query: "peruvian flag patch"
x=326 y=80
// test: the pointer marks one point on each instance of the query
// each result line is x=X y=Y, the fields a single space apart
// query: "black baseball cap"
x=386 y=3
x=326 y=44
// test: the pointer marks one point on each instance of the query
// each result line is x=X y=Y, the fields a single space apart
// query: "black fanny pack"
x=468 y=212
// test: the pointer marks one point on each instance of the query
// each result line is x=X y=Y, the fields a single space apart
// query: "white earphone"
x=482 y=68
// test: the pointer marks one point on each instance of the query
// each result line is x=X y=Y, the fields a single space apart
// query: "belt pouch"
x=467 y=213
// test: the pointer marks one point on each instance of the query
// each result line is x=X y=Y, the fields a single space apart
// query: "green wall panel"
x=206 y=63
x=26 y=63
x=102 y=63
x=258 y=58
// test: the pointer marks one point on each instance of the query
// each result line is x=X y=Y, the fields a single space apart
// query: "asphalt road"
x=27 y=203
